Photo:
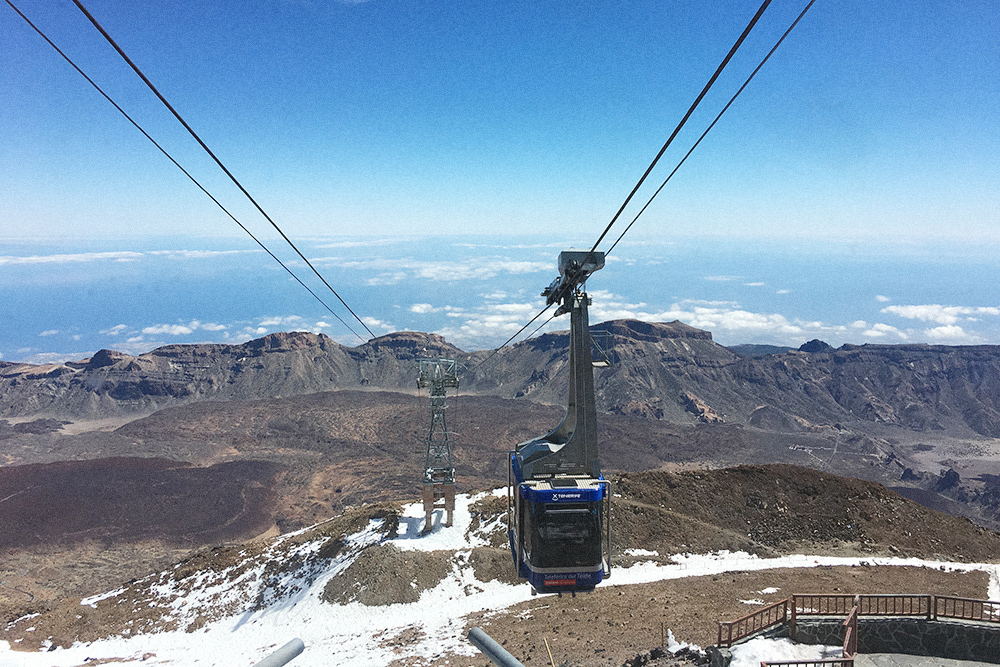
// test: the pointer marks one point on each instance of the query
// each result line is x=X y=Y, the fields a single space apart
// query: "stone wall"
x=910 y=636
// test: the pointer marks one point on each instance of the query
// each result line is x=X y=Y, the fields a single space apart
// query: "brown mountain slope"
x=348 y=447
x=125 y=500
x=785 y=509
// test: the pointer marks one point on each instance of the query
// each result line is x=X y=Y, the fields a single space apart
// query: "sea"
x=64 y=300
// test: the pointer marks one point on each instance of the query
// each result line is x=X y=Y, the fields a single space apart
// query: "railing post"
x=791 y=621
x=932 y=609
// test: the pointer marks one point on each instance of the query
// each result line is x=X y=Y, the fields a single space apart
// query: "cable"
x=680 y=125
x=494 y=352
x=539 y=327
x=709 y=128
x=572 y=283
x=177 y=164
x=194 y=134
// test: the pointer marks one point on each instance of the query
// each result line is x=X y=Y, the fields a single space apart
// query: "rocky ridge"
x=663 y=371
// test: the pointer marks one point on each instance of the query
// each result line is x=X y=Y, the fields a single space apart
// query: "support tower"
x=439 y=473
x=558 y=503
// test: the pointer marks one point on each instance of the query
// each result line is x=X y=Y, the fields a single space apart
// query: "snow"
x=94 y=599
x=674 y=646
x=641 y=552
x=752 y=652
x=354 y=635
x=695 y=565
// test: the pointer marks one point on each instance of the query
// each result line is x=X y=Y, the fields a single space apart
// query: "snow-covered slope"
x=235 y=606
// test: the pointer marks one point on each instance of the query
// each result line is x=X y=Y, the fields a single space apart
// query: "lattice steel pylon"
x=438 y=375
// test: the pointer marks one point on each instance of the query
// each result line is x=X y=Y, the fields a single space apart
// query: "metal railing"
x=896 y=605
x=821 y=604
x=966 y=609
x=766 y=617
x=847 y=653
x=868 y=605
x=922 y=605
x=832 y=662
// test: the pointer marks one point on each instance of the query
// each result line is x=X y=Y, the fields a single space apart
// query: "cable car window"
x=566 y=534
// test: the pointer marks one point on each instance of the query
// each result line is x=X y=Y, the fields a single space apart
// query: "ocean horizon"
x=66 y=300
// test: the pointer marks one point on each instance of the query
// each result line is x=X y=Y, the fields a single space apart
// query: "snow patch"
x=641 y=552
x=752 y=652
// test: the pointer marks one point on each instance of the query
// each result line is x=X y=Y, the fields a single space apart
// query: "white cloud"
x=374 y=323
x=135 y=339
x=696 y=302
x=940 y=314
x=491 y=324
x=859 y=324
x=49 y=332
x=951 y=334
x=71 y=258
x=115 y=330
x=722 y=279
x=42 y=358
x=198 y=254
x=360 y=244
x=395 y=270
x=881 y=298
x=423 y=308
x=879 y=331
x=783 y=291
x=386 y=279
x=286 y=321
x=322 y=325
x=754 y=284
x=115 y=256
x=169 y=329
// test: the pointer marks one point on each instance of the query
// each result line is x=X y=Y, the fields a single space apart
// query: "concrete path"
x=896 y=660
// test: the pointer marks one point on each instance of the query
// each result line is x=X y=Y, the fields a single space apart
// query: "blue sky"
x=872 y=132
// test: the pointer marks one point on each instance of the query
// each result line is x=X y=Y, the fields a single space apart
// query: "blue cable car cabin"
x=561 y=530
x=558 y=503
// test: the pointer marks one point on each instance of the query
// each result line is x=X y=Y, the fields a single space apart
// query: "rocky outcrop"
x=656 y=369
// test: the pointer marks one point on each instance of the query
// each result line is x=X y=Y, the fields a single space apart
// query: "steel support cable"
x=709 y=128
x=507 y=342
x=176 y=164
x=539 y=327
x=680 y=125
x=194 y=134
x=572 y=283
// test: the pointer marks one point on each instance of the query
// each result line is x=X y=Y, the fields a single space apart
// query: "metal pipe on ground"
x=496 y=653
x=283 y=655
